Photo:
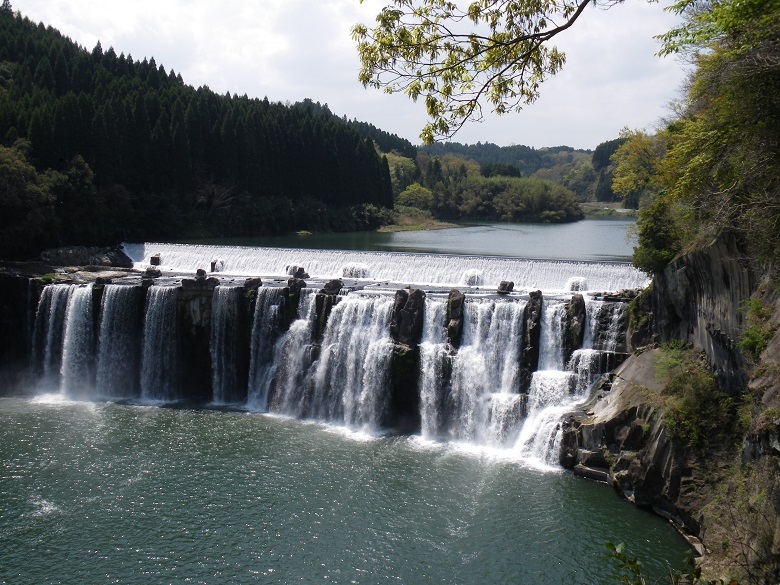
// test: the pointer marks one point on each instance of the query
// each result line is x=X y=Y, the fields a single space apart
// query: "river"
x=102 y=492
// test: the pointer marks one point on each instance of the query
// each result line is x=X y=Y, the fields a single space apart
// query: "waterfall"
x=344 y=367
x=158 y=357
x=78 y=344
x=551 y=342
x=119 y=342
x=48 y=333
x=350 y=379
x=441 y=269
x=287 y=380
x=555 y=390
x=433 y=355
x=225 y=344
x=266 y=326
x=481 y=404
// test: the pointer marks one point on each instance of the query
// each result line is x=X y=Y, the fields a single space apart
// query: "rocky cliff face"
x=728 y=499
x=701 y=297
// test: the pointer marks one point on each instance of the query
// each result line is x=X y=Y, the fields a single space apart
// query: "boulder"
x=297 y=271
x=152 y=272
x=200 y=273
x=155 y=260
x=253 y=283
x=199 y=284
x=505 y=287
x=332 y=287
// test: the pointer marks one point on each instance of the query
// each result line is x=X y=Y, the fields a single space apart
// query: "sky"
x=288 y=50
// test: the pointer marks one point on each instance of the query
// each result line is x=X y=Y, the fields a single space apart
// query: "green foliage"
x=758 y=330
x=421 y=48
x=636 y=161
x=27 y=199
x=604 y=151
x=722 y=161
x=657 y=236
x=639 y=310
x=403 y=172
x=697 y=413
x=415 y=195
x=506 y=199
x=499 y=170
x=628 y=569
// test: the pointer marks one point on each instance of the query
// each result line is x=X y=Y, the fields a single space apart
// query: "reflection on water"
x=587 y=240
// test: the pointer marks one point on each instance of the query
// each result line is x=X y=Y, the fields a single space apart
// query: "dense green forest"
x=716 y=167
x=99 y=147
x=453 y=188
x=584 y=172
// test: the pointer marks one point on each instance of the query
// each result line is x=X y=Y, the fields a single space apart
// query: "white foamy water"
x=434 y=269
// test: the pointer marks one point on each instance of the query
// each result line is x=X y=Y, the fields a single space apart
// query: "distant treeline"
x=122 y=149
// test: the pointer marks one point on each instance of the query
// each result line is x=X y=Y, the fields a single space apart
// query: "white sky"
x=288 y=50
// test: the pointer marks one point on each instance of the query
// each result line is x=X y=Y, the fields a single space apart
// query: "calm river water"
x=589 y=240
x=105 y=493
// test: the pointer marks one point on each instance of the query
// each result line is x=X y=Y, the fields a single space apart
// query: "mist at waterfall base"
x=298 y=479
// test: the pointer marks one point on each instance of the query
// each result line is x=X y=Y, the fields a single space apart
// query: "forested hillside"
x=99 y=147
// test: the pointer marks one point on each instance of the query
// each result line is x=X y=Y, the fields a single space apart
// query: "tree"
x=415 y=195
x=493 y=51
x=636 y=165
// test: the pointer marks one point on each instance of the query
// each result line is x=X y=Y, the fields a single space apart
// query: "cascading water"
x=555 y=391
x=433 y=354
x=78 y=345
x=481 y=404
x=118 y=342
x=342 y=375
x=266 y=326
x=158 y=358
x=286 y=382
x=225 y=344
x=550 y=345
x=394 y=267
x=350 y=379
x=48 y=334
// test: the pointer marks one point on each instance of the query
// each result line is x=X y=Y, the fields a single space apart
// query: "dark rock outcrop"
x=700 y=297
x=406 y=325
x=324 y=302
x=87 y=256
x=297 y=271
x=620 y=435
x=193 y=305
x=532 y=330
x=332 y=287
x=404 y=404
x=292 y=300
x=455 y=302
x=505 y=287
x=574 y=326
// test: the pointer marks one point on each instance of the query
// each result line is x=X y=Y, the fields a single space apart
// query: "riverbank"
x=415 y=220
x=603 y=209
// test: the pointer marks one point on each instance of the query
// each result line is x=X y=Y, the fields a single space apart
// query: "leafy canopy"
x=458 y=57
